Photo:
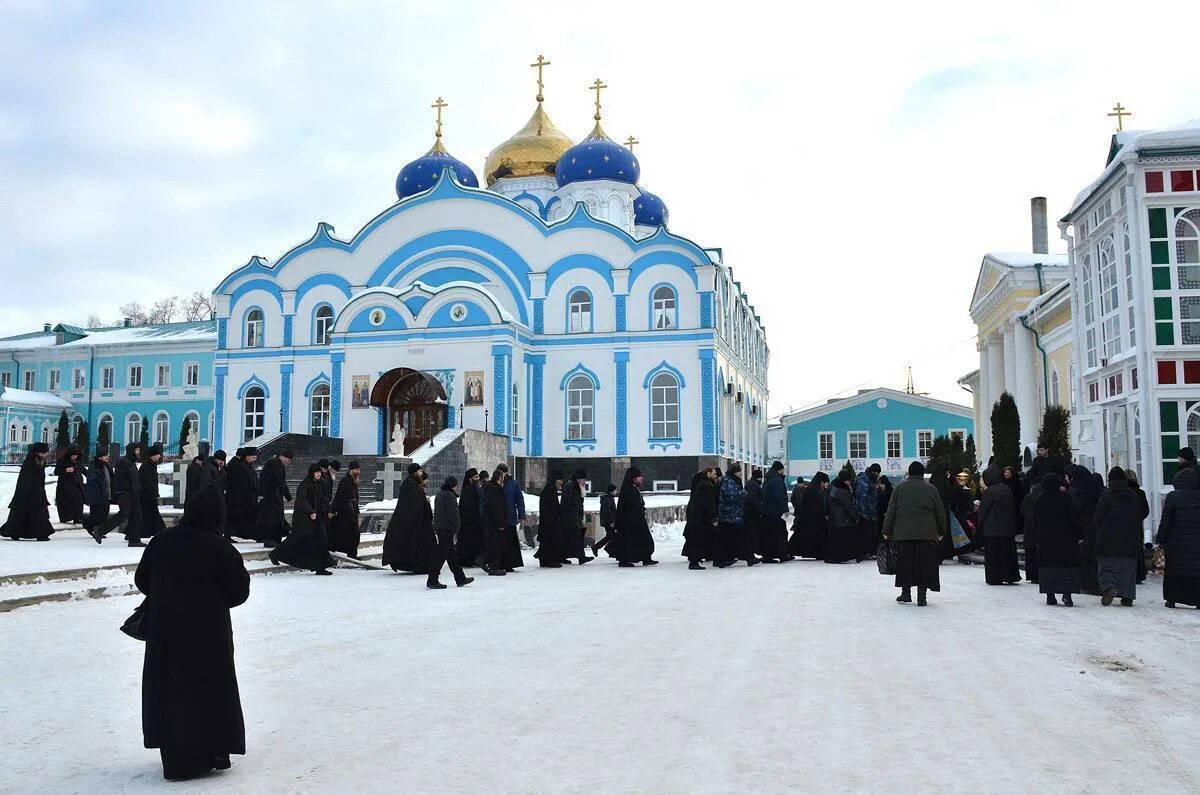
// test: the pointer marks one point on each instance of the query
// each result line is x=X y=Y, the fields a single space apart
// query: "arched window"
x=254 y=328
x=1129 y=286
x=581 y=408
x=323 y=325
x=193 y=420
x=1089 y=314
x=514 y=410
x=1071 y=392
x=162 y=428
x=318 y=410
x=26 y=433
x=1110 y=299
x=1193 y=427
x=579 y=312
x=76 y=424
x=14 y=433
x=45 y=433
x=664 y=407
x=133 y=428
x=104 y=428
x=664 y=311
x=254 y=413
x=1054 y=396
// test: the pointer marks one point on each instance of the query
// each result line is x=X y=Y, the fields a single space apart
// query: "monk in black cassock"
x=212 y=471
x=810 y=529
x=274 y=494
x=241 y=495
x=469 y=541
x=550 y=530
x=191 y=576
x=344 y=532
x=68 y=492
x=573 y=519
x=99 y=490
x=307 y=544
x=152 y=521
x=409 y=543
x=29 y=511
x=127 y=490
x=495 y=525
x=193 y=478
x=636 y=542
x=700 y=531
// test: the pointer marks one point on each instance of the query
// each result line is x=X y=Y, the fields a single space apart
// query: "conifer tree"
x=971 y=454
x=145 y=438
x=102 y=440
x=1006 y=433
x=183 y=433
x=62 y=436
x=1055 y=434
x=81 y=438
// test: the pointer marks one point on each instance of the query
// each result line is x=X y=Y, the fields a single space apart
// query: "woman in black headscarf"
x=939 y=478
x=68 y=492
x=885 y=497
x=29 y=510
x=1084 y=495
x=700 y=531
x=843 y=546
x=307 y=544
x=810 y=533
x=470 y=514
x=550 y=530
x=637 y=544
x=1058 y=531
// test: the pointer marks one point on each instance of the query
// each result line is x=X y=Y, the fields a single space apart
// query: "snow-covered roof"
x=868 y=395
x=1045 y=298
x=1129 y=143
x=23 y=398
x=199 y=331
x=1022 y=259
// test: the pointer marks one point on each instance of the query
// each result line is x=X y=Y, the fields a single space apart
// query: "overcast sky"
x=854 y=163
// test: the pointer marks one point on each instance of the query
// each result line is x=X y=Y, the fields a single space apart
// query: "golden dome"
x=532 y=152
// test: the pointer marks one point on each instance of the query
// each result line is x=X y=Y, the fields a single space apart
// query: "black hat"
x=249 y=451
x=205 y=510
x=556 y=474
x=777 y=466
x=581 y=474
x=733 y=468
x=219 y=455
x=1116 y=473
x=756 y=475
x=470 y=473
x=323 y=463
x=199 y=457
x=916 y=470
x=634 y=472
x=335 y=464
x=502 y=467
x=875 y=468
x=353 y=465
x=450 y=483
x=102 y=451
x=155 y=449
x=414 y=469
x=1187 y=454
x=612 y=487
x=314 y=468
x=287 y=454
x=483 y=474
x=39 y=448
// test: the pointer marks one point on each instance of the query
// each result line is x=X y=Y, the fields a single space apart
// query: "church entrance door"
x=415 y=401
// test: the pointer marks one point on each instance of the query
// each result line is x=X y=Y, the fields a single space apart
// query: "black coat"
x=241 y=499
x=753 y=501
x=99 y=483
x=274 y=493
x=29 y=510
x=1179 y=528
x=1057 y=524
x=494 y=513
x=410 y=543
x=192 y=577
x=810 y=530
x=211 y=473
x=608 y=510
x=193 y=479
x=634 y=541
x=550 y=526
x=126 y=479
x=68 y=492
x=470 y=544
x=344 y=530
x=700 y=530
x=997 y=509
x=307 y=545
x=152 y=521
x=572 y=520
x=1118 y=522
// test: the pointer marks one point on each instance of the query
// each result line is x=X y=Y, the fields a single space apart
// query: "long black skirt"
x=305 y=550
x=1000 y=563
x=808 y=540
x=1181 y=590
x=918 y=565
x=1059 y=580
x=699 y=539
x=730 y=540
x=843 y=545
x=772 y=538
x=512 y=549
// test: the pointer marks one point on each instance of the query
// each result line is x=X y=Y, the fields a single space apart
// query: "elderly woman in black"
x=1058 y=530
x=307 y=544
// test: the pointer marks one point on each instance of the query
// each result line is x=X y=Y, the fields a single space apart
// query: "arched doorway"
x=414 y=400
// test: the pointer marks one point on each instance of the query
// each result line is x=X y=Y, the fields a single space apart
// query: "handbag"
x=885 y=557
x=957 y=534
x=136 y=625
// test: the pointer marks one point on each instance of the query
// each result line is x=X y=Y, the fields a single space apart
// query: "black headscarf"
x=205 y=510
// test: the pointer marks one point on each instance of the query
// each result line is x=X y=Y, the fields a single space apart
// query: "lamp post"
x=460 y=415
x=485 y=420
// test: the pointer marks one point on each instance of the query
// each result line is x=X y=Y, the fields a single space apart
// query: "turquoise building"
x=116 y=377
x=884 y=426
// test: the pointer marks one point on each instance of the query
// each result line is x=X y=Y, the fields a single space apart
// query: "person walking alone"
x=446 y=523
x=916 y=523
x=29 y=510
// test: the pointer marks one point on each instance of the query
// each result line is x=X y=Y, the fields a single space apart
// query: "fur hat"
x=414 y=469
x=352 y=466
x=315 y=468
x=288 y=454
x=219 y=455
x=335 y=465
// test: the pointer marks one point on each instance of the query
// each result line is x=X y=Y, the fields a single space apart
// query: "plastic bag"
x=957 y=534
x=885 y=557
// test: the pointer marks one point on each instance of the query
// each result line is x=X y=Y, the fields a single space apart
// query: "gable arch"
x=253 y=381
x=663 y=367
x=579 y=369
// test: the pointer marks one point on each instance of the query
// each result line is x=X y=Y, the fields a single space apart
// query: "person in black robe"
x=550 y=529
x=307 y=543
x=1179 y=536
x=68 y=491
x=1118 y=540
x=637 y=543
x=152 y=521
x=409 y=543
x=213 y=471
x=845 y=535
x=998 y=526
x=127 y=489
x=241 y=496
x=29 y=510
x=514 y=515
x=939 y=478
x=99 y=490
x=274 y=494
x=573 y=519
x=344 y=528
x=193 y=478
x=469 y=544
x=772 y=532
x=700 y=530
x=1083 y=495
x=797 y=495
x=1058 y=529
x=329 y=481
x=752 y=513
x=1143 y=512
x=495 y=525
x=191 y=709
x=608 y=519
x=810 y=531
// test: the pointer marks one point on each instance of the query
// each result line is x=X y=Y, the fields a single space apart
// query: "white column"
x=1026 y=386
x=1010 y=359
x=983 y=403
x=995 y=371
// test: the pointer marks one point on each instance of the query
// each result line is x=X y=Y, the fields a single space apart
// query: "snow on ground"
x=590 y=504
x=800 y=677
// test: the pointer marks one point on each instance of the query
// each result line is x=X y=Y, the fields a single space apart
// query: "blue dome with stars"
x=597 y=157
x=649 y=210
x=422 y=173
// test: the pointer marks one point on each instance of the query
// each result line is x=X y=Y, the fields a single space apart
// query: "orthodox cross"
x=541 y=64
x=1119 y=113
x=597 y=86
x=630 y=141
x=439 y=104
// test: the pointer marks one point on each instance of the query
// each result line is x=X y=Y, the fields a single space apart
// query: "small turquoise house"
x=884 y=426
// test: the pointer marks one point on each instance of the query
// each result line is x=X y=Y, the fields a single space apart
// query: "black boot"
x=695 y=566
x=435 y=586
x=921 y=597
x=464 y=581
x=323 y=572
x=905 y=596
x=649 y=562
x=1050 y=600
x=624 y=564
x=134 y=542
x=1067 y=600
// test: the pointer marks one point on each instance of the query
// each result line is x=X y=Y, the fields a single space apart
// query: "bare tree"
x=135 y=312
x=94 y=321
x=198 y=306
x=163 y=311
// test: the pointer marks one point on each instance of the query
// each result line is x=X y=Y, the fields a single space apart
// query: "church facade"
x=551 y=306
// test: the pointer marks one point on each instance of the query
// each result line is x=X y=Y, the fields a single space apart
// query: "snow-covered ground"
x=590 y=504
x=800 y=677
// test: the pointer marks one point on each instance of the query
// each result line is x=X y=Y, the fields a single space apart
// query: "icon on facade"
x=474 y=384
x=360 y=392
x=377 y=317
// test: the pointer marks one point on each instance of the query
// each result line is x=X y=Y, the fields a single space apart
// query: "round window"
x=881 y=403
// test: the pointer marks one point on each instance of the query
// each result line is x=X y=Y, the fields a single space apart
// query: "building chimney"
x=129 y=321
x=1037 y=210
x=46 y=327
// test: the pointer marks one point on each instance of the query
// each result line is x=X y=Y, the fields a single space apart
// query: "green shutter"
x=1164 y=309
x=1162 y=277
x=1158 y=221
x=1160 y=253
x=1164 y=333
x=1168 y=417
x=1170 y=468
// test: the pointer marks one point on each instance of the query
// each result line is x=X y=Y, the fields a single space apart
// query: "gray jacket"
x=445 y=512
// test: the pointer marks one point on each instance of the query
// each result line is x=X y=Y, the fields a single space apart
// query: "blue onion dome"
x=597 y=157
x=649 y=210
x=422 y=173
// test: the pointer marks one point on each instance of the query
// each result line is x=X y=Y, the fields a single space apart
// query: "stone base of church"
x=671 y=473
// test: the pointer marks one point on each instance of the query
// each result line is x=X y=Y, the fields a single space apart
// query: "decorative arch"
x=666 y=316
x=245 y=326
x=251 y=382
x=321 y=378
x=317 y=315
x=589 y=262
x=131 y=418
x=568 y=314
x=320 y=279
x=265 y=285
x=579 y=369
x=662 y=367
